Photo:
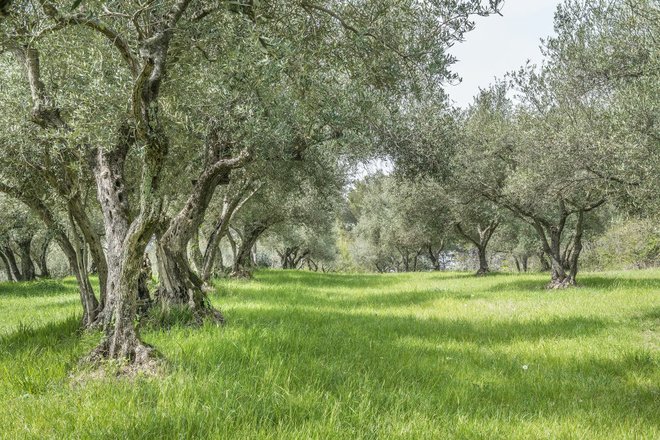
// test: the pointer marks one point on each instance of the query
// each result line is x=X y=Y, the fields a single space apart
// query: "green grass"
x=354 y=356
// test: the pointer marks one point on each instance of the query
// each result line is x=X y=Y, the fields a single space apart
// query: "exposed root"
x=130 y=358
x=482 y=272
x=561 y=283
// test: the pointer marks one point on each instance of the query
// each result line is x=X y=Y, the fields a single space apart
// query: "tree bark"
x=27 y=266
x=180 y=287
x=195 y=253
x=5 y=262
x=483 y=261
x=43 y=257
x=243 y=260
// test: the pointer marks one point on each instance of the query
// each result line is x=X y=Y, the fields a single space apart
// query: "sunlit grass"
x=354 y=356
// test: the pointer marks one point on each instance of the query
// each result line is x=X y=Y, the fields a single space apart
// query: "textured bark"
x=126 y=242
x=195 y=252
x=42 y=260
x=180 y=286
x=230 y=206
x=92 y=238
x=13 y=266
x=28 y=272
x=243 y=260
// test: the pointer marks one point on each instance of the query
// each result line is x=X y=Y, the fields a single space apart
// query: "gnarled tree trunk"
x=27 y=266
x=243 y=259
x=8 y=252
x=42 y=260
x=179 y=285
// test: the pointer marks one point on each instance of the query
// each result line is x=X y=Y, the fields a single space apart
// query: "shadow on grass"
x=586 y=281
x=44 y=287
x=279 y=294
x=286 y=278
x=57 y=336
x=437 y=363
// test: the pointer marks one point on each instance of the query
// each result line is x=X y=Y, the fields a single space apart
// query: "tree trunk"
x=543 y=261
x=43 y=257
x=5 y=262
x=126 y=243
x=243 y=259
x=480 y=242
x=435 y=257
x=122 y=340
x=27 y=266
x=180 y=286
x=483 y=261
x=11 y=259
x=195 y=253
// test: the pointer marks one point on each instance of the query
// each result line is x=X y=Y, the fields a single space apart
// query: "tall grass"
x=353 y=356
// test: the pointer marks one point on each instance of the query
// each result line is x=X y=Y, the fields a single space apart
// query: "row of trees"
x=121 y=120
x=195 y=129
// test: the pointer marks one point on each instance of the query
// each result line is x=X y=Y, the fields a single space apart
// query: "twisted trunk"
x=11 y=260
x=243 y=259
x=126 y=244
x=179 y=285
x=43 y=257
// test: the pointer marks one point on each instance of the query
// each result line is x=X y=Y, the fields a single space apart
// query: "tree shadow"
x=56 y=336
x=278 y=295
x=459 y=356
x=312 y=280
x=46 y=287
x=598 y=282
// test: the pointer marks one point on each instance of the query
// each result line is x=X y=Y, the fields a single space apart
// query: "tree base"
x=130 y=358
x=241 y=274
x=561 y=283
x=482 y=272
x=165 y=314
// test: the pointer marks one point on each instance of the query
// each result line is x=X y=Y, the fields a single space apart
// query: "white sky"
x=499 y=45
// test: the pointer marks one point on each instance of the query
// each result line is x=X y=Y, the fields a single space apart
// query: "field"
x=308 y=355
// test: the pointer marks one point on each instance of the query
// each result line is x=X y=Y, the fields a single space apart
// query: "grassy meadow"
x=307 y=355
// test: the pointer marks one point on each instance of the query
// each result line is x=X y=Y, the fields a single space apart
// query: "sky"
x=499 y=45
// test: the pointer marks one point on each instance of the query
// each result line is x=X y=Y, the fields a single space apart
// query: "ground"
x=304 y=355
